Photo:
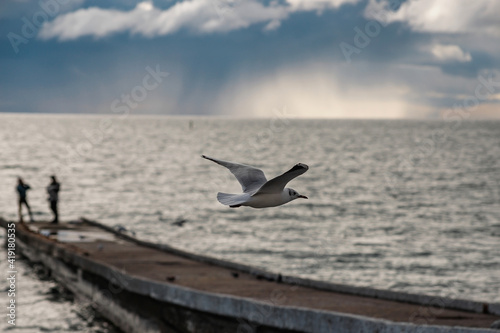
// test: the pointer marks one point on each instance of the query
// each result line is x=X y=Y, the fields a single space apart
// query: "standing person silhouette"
x=22 y=188
x=53 y=191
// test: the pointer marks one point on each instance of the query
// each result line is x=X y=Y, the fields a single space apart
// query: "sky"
x=422 y=59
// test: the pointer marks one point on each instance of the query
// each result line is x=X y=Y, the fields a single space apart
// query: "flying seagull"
x=258 y=192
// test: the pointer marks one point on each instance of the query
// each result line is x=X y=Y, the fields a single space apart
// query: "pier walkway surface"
x=104 y=255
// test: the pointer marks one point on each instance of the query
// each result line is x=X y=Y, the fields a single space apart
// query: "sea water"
x=405 y=205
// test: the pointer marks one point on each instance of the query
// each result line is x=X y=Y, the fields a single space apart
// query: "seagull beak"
x=302 y=196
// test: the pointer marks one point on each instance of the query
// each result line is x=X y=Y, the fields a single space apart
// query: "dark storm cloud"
x=86 y=73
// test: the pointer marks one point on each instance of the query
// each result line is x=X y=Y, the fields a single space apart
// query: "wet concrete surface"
x=154 y=264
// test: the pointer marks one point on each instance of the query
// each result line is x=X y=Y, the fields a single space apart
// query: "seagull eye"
x=290 y=192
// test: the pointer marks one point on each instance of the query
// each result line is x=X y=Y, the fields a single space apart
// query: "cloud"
x=450 y=53
x=444 y=16
x=300 y=5
x=273 y=25
x=201 y=16
x=198 y=16
x=483 y=111
x=312 y=91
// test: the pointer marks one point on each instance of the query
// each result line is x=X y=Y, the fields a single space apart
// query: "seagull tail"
x=232 y=200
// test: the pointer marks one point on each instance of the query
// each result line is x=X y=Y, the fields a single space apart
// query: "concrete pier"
x=145 y=287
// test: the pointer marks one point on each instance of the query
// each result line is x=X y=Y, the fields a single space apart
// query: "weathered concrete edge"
x=121 y=317
x=424 y=300
x=292 y=318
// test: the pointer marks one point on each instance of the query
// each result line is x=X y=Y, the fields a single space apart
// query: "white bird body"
x=269 y=200
x=258 y=192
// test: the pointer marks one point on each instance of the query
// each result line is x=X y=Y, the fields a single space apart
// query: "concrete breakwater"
x=145 y=287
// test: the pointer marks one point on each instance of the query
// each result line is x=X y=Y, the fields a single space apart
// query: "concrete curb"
x=424 y=300
x=69 y=265
x=291 y=318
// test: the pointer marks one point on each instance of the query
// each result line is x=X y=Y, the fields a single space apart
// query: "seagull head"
x=292 y=194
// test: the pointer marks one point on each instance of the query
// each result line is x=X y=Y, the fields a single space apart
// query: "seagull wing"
x=250 y=178
x=277 y=184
